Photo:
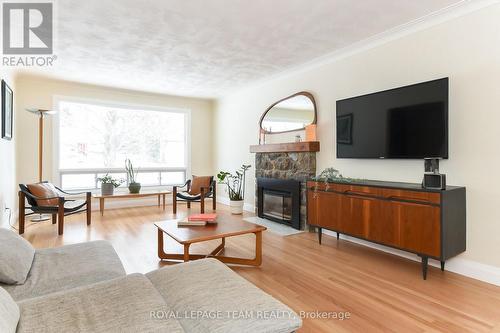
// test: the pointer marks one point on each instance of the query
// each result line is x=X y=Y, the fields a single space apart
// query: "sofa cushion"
x=68 y=267
x=45 y=190
x=16 y=257
x=222 y=300
x=9 y=313
x=127 y=304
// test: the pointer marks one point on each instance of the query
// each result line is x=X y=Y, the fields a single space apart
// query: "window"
x=95 y=139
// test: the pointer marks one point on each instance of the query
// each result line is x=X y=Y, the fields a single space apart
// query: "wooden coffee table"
x=224 y=228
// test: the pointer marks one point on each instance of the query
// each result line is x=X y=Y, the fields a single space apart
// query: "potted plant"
x=133 y=186
x=108 y=184
x=235 y=185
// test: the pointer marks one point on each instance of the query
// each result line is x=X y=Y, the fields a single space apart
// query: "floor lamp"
x=41 y=113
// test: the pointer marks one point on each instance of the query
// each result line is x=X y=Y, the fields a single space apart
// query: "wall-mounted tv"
x=408 y=122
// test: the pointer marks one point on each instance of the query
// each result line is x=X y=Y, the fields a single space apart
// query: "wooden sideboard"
x=429 y=223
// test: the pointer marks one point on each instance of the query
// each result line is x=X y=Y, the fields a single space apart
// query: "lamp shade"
x=41 y=111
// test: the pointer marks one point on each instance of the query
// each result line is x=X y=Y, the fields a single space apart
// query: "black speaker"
x=431 y=165
x=434 y=181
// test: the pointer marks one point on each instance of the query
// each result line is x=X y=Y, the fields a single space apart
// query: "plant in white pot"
x=235 y=185
x=108 y=184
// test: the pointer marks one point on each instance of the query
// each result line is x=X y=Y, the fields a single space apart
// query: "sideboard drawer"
x=403 y=195
x=381 y=192
x=345 y=188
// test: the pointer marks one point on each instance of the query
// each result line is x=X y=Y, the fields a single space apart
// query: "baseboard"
x=462 y=266
x=246 y=206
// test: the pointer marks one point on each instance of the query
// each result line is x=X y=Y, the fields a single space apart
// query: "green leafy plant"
x=107 y=179
x=131 y=173
x=235 y=184
x=332 y=174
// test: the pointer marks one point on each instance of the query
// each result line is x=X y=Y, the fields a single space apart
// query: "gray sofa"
x=84 y=288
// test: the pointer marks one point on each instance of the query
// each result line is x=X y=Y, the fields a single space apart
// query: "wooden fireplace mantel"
x=289 y=147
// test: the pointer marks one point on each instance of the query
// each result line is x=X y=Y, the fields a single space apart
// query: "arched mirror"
x=292 y=113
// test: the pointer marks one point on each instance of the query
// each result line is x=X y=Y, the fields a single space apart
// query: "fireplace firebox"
x=278 y=200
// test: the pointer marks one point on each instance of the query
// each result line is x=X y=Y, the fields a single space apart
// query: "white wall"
x=39 y=92
x=7 y=163
x=466 y=49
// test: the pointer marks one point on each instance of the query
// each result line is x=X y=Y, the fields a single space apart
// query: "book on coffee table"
x=209 y=218
x=186 y=223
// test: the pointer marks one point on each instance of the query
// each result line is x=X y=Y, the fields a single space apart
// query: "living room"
x=267 y=121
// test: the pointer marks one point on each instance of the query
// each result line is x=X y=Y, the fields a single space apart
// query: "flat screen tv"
x=408 y=122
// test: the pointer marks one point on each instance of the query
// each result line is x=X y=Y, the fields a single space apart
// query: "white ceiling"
x=206 y=47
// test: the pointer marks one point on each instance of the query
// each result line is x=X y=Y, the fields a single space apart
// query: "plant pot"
x=134 y=187
x=107 y=189
x=236 y=206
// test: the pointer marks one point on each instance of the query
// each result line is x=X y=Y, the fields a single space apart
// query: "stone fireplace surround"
x=299 y=166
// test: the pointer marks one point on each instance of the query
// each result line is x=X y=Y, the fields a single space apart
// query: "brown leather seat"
x=51 y=200
x=197 y=190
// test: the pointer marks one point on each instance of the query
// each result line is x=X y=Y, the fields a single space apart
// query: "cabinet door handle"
x=361 y=197
x=350 y=192
x=413 y=202
x=410 y=200
x=360 y=194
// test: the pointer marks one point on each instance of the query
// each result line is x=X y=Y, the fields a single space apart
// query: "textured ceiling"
x=206 y=47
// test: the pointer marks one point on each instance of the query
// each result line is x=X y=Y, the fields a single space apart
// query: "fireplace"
x=278 y=200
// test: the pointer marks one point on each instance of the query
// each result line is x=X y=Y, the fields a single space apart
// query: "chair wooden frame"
x=206 y=192
x=58 y=212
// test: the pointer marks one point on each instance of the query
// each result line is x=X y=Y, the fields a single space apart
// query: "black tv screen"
x=406 y=122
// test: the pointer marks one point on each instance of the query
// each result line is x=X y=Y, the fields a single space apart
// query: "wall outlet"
x=3 y=213
x=5 y=216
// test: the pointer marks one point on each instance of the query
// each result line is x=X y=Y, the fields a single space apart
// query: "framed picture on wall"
x=7 y=102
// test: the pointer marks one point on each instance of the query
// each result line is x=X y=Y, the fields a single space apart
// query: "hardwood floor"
x=382 y=292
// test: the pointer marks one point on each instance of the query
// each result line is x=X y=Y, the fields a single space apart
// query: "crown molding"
x=445 y=14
